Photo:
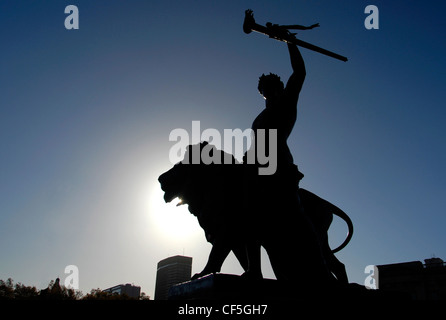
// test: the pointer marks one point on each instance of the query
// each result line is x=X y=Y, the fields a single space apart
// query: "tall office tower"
x=171 y=271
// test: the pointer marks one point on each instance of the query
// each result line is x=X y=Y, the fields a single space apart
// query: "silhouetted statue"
x=282 y=33
x=242 y=210
x=214 y=194
x=277 y=194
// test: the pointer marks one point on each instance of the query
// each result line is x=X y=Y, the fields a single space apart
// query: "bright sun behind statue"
x=171 y=220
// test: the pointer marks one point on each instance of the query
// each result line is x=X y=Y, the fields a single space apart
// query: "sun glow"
x=171 y=220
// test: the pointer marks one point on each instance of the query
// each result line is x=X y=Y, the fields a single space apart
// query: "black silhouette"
x=242 y=210
x=278 y=193
x=281 y=33
x=214 y=195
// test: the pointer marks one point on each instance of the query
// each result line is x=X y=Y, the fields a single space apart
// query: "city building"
x=171 y=271
x=127 y=289
x=421 y=281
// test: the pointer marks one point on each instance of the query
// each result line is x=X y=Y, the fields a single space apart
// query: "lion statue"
x=214 y=194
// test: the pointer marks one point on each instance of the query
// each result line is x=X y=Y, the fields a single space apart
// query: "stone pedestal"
x=223 y=287
x=226 y=286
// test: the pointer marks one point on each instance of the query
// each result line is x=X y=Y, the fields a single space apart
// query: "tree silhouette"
x=18 y=291
x=55 y=291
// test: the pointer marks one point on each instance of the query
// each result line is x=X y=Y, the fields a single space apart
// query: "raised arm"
x=297 y=78
x=297 y=62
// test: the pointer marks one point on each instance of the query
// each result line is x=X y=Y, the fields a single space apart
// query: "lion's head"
x=202 y=183
x=210 y=190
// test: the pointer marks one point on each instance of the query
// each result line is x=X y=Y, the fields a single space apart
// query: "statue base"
x=223 y=287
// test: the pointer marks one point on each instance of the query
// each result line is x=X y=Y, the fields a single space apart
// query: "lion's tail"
x=341 y=214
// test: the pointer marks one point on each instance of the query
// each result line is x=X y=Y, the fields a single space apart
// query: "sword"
x=282 y=33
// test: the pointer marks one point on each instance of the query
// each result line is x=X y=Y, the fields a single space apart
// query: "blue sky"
x=85 y=117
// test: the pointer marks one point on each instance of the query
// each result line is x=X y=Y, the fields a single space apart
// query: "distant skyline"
x=86 y=113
